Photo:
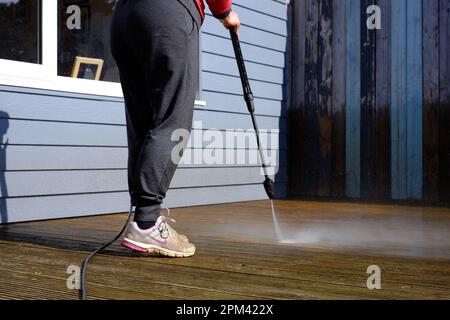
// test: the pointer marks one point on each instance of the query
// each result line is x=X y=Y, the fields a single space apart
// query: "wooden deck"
x=238 y=257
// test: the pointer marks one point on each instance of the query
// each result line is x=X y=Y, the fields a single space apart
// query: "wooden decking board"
x=103 y=273
x=161 y=275
x=388 y=284
x=333 y=268
x=45 y=235
x=330 y=268
x=132 y=285
x=229 y=265
x=27 y=290
x=82 y=238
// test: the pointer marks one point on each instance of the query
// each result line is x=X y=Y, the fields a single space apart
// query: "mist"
x=412 y=235
x=386 y=230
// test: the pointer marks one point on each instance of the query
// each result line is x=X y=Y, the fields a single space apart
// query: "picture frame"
x=88 y=61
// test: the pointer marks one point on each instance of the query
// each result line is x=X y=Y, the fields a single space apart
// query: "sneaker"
x=181 y=237
x=160 y=240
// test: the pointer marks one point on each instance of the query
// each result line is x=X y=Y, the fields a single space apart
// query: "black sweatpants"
x=155 y=45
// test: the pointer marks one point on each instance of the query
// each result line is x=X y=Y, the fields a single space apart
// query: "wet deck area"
x=323 y=252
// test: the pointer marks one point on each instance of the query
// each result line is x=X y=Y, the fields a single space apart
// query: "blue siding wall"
x=64 y=154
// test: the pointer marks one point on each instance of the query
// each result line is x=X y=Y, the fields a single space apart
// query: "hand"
x=232 y=21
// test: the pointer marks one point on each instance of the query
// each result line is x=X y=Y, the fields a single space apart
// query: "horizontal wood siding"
x=65 y=154
x=265 y=41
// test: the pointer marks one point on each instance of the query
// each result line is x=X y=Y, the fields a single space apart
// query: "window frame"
x=27 y=70
x=45 y=75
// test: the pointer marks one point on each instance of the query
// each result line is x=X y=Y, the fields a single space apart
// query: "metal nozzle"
x=269 y=185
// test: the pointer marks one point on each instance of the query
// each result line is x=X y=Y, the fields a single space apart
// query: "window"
x=83 y=32
x=27 y=33
x=58 y=45
x=20 y=30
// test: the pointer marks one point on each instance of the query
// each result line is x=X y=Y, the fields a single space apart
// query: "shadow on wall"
x=4 y=126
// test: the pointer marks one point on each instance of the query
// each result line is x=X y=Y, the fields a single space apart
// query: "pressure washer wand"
x=269 y=185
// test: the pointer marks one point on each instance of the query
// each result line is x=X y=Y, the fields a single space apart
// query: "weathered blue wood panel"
x=325 y=95
x=338 y=178
x=431 y=99
x=382 y=135
x=295 y=116
x=444 y=99
x=399 y=103
x=368 y=107
x=397 y=96
x=310 y=114
x=407 y=100
x=353 y=109
x=414 y=102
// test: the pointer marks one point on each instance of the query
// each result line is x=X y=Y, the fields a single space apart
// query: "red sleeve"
x=220 y=8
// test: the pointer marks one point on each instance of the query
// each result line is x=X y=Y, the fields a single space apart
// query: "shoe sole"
x=154 y=250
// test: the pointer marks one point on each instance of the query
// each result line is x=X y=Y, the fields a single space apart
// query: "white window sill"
x=73 y=85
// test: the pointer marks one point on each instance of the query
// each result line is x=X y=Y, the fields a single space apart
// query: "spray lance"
x=269 y=185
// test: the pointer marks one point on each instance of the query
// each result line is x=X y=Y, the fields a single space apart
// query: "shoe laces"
x=164 y=227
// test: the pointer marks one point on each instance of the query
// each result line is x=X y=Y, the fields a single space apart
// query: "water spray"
x=269 y=185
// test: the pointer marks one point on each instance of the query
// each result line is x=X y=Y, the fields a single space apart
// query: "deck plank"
x=238 y=256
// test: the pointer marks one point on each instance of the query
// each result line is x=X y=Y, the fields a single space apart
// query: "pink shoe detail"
x=133 y=247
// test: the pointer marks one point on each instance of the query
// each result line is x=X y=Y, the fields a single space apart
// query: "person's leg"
x=157 y=54
x=139 y=112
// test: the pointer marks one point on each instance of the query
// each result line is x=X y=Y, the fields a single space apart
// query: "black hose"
x=83 y=291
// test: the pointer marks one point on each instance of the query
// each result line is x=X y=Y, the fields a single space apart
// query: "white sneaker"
x=161 y=240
